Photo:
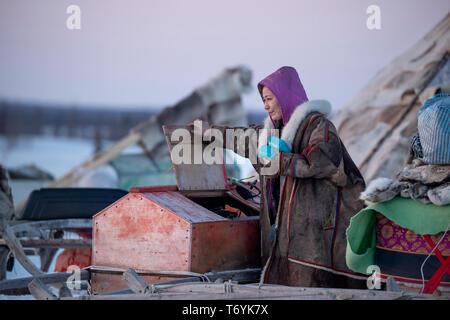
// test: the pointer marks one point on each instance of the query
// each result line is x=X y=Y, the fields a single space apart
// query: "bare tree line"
x=98 y=124
x=110 y=124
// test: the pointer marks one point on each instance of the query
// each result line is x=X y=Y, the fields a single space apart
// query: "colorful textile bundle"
x=434 y=129
x=400 y=252
x=391 y=235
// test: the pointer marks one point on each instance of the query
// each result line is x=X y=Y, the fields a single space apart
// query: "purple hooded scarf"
x=287 y=87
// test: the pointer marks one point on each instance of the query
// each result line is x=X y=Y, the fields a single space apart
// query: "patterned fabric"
x=393 y=237
x=434 y=129
x=416 y=148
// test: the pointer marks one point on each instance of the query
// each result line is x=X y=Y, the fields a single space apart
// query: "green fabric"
x=407 y=213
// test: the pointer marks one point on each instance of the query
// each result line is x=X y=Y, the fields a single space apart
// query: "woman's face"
x=271 y=104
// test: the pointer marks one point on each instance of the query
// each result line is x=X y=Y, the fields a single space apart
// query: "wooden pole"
x=231 y=291
x=20 y=286
x=53 y=243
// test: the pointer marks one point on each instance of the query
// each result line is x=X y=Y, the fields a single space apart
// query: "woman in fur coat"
x=307 y=203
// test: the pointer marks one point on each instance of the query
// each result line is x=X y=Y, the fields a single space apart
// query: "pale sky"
x=155 y=52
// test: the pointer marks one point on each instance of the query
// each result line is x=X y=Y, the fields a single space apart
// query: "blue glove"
x=268 y=152
x=275 y=145
x=280 y=144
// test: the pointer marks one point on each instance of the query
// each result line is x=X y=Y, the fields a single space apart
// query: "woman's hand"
x=271 y=167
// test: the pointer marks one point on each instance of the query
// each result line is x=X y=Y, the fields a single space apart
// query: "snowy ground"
x=56 y=155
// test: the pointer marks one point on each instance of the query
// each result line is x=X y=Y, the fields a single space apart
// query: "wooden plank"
x=20 y=286
x=59 y=224
x=183 y=206
x=102 y=283
x=169 y=273
x=213 y=291
x=240 y=275
x=163 y=188
x=53 y=243
x=203 y=193
x=236 y=275
x=40 y=291
x=192 y=175
x=273 y=290
x=225 y=245
x=245 y=276
x=135 y=283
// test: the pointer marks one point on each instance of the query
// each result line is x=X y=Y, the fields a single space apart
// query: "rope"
x=172 y=167
x=429 y=255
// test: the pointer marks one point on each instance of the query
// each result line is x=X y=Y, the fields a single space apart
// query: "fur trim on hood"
x=300 y=113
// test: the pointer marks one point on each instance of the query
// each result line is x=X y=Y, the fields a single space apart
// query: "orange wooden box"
x=160 y=229
x=173 y=228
